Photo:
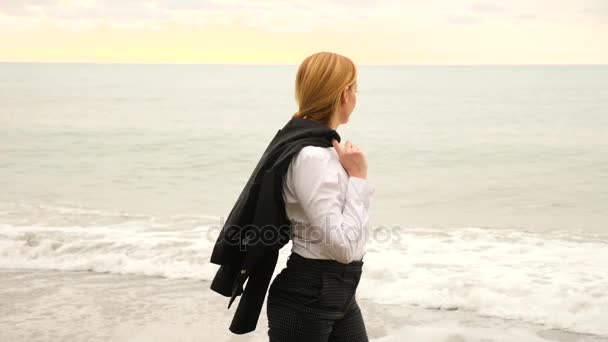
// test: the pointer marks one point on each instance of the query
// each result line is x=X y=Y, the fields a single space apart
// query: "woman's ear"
x=343 y=96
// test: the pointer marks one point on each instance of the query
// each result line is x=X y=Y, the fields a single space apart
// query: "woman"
x=327 y=196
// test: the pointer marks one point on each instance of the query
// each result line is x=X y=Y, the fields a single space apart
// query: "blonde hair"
x=321 y=80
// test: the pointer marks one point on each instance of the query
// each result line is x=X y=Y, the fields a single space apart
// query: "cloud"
x=487 y=7
x=13 y=8
x=526 y=17
x=23 y=7
x=186 y=4
x=601 y=11
x=101 y=8
x=294 y=15
x=130 y=8
x=462 y=19
x=488 y=11
x=124 y=11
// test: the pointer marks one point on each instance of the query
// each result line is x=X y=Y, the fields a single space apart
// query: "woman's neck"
x=333 y=122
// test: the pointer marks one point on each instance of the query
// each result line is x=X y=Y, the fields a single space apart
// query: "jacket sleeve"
x=262 y=239
x=250 y=305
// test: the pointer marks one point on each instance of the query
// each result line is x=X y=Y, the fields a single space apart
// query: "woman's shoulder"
x=316 y=159
x=315 y=152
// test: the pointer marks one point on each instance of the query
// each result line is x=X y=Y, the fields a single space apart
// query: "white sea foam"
x=507 y=274
x=456 y=332
x=135 y=247
x=547 y=279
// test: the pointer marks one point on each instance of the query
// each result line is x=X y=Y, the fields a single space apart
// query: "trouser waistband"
x=305 y=265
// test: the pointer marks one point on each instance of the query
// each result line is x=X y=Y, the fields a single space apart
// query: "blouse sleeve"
x=342 y=229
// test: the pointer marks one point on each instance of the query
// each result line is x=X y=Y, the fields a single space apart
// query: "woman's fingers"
x=348 y=146
x=353 y=148
x=351 y=158
x=337 y=146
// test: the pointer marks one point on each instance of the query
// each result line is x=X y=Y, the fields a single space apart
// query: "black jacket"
x=247 y=247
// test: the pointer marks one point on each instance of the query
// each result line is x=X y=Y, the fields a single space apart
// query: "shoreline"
x=41 y=305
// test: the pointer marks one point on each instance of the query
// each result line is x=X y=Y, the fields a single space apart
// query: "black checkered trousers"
x=313 y=300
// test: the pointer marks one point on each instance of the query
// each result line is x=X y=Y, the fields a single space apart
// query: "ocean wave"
x=531 y=277
x=554 y=280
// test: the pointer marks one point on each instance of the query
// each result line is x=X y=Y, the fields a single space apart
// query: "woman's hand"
x=352 y=159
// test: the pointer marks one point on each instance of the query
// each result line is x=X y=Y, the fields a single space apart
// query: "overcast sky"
x=285 y=31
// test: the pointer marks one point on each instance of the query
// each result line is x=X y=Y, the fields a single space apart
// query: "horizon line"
x=290 y=64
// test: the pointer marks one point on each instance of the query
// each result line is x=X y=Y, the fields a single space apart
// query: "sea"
x=491 y=192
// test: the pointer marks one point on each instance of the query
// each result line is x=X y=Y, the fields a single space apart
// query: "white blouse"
x=329 y=210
